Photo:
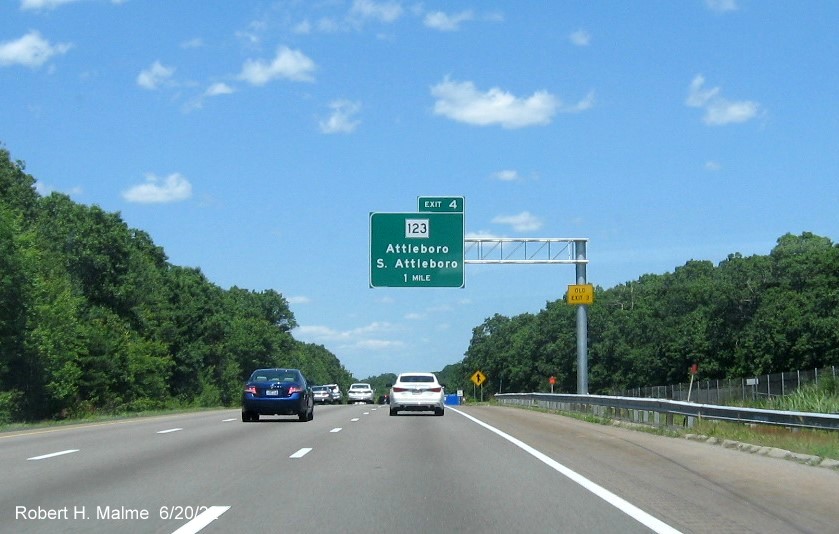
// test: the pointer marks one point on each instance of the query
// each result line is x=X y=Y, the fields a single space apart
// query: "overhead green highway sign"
x=419 y=249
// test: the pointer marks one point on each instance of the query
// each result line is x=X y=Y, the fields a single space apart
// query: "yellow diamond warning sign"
x=478 y=378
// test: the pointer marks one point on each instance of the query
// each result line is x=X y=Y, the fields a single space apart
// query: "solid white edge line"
x=202 y=520
x=53 y=454
x=169 y=430
x=629 y=509
x=301 y=453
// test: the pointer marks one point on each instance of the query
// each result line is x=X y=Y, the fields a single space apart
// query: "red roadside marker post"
x=693 y=370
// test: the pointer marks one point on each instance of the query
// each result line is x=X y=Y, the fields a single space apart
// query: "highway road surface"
x=356 y=469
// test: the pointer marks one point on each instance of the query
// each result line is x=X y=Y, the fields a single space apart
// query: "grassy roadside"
x=816 y=398
x=102 y=418
x=821 y=443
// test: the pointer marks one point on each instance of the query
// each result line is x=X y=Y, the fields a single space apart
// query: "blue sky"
x=253 y=138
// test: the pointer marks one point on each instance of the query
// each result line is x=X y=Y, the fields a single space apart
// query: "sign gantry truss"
x=535 y=250
x=523 y=250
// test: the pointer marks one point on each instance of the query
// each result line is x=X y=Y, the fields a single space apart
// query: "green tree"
x=17 y=189
x=13 y=303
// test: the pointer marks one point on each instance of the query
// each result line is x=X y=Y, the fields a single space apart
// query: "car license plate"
x=272 y=392
x=417 y=391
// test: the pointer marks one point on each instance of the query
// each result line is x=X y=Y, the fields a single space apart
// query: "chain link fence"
x=720 y=391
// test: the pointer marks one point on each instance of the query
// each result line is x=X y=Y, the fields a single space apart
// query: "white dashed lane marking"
x=53 y=454
x=202 y=520
x=301 y=453
x=169 y=430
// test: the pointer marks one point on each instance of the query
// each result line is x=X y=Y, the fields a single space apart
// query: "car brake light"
x=399 y=390
x=436 y=390
x=294 y=389
x=250 y=389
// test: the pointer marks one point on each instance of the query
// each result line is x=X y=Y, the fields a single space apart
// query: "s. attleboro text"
x=405 y=261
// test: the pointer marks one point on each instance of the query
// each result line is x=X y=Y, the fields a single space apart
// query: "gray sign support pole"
x=582 y=322
x=532 y=250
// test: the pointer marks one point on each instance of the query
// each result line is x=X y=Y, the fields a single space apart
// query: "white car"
x=417 y=392
x=360 y=392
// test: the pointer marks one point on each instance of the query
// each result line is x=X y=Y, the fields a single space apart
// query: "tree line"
x=94 y=318
x=746 y=316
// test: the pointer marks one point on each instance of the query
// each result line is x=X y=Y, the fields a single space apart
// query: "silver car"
x=417 y=392
x=322 y=394
x=337 y=396
x=360 y=392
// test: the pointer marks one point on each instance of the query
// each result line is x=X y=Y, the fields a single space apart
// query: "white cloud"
x=327 y=333
x=724 y=112
x=328 y=25
x=173 y=188
x=376 y=344
x=462 y=102
x=712 y=166
x=721 y=6
x=359 y=14
x=299 y=299
x=316 y=332
x=381 y=11
x=213 y=90
x=444 y=22
x=303 y=28
x=341 y=120
x=507 y=175
x=369 y=337
x=719 y=110
x=154 y=76
x=31 y=50
x=697 y=97
x=523 y=222
x=38 y=5
x=290 y=64
x=45 y=189
x=580 y=38
x=583 y=105
x=481 y=234
x=195 y=42
x=218 y=89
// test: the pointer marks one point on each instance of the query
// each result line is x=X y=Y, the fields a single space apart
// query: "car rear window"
x=416 y=378
x=274 y=376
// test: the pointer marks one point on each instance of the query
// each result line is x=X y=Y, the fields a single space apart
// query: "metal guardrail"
x=649 y=411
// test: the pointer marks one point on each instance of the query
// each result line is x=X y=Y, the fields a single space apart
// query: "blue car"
x=277 y=392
